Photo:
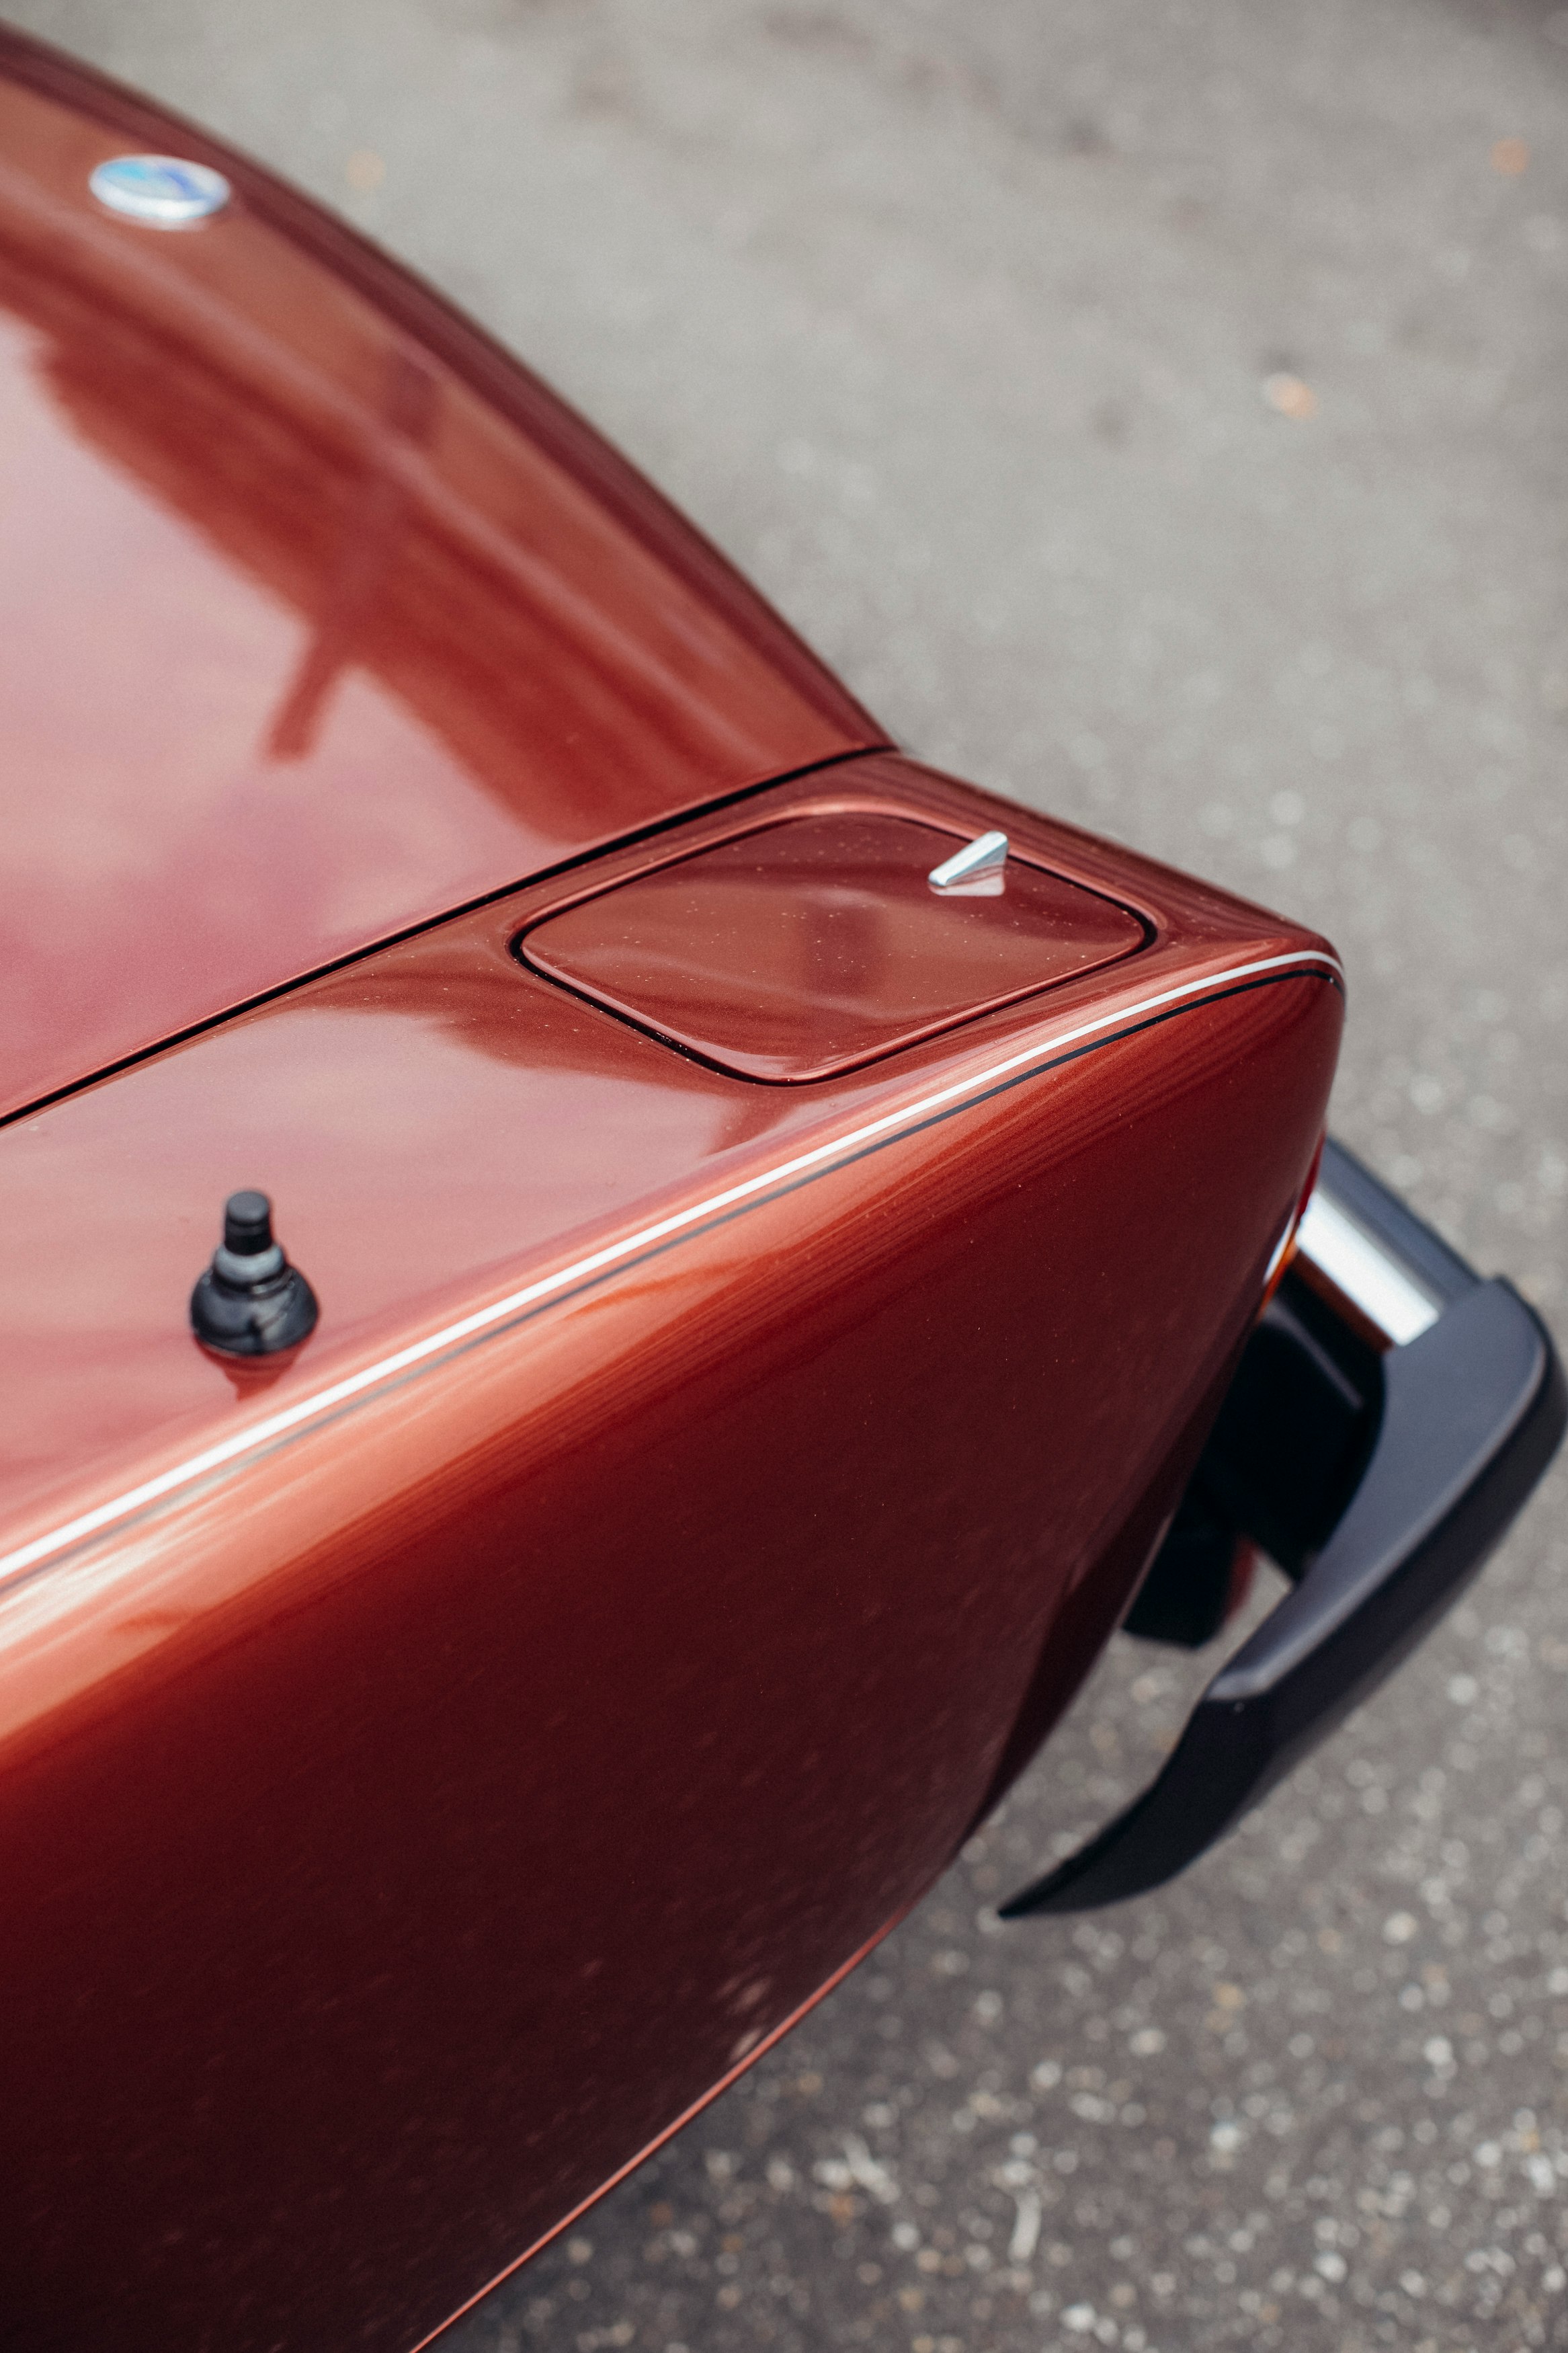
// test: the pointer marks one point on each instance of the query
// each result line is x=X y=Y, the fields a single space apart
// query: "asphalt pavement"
x=1159 y=412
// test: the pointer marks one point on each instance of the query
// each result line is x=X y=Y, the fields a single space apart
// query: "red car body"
x=762 y=1338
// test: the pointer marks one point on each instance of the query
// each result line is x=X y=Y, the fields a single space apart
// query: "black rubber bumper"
x=1466 y=1417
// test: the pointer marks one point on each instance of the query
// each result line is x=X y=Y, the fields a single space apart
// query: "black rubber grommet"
x=251 y=1301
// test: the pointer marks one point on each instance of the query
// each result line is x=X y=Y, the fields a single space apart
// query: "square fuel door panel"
x=820 y=942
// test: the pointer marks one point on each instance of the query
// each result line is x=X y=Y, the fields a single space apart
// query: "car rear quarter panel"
x=502 y=1719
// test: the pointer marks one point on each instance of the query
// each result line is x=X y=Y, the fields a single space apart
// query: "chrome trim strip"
x=910 y=1115
x=1386 y=1291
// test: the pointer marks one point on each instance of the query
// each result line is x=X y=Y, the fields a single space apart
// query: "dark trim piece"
x=1471 y=1413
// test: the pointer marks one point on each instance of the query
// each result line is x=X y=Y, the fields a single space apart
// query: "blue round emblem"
x=160 y=191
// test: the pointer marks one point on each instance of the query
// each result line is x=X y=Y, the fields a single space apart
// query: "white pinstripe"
x=276 y=1425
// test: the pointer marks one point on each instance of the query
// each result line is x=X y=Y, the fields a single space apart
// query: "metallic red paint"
x=431 y=1119
x=409 y=1815
x=800 y=949
x=319 y=617
x=434 y=1758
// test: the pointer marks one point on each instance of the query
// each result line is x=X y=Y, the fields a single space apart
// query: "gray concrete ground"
x=1158 y=411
